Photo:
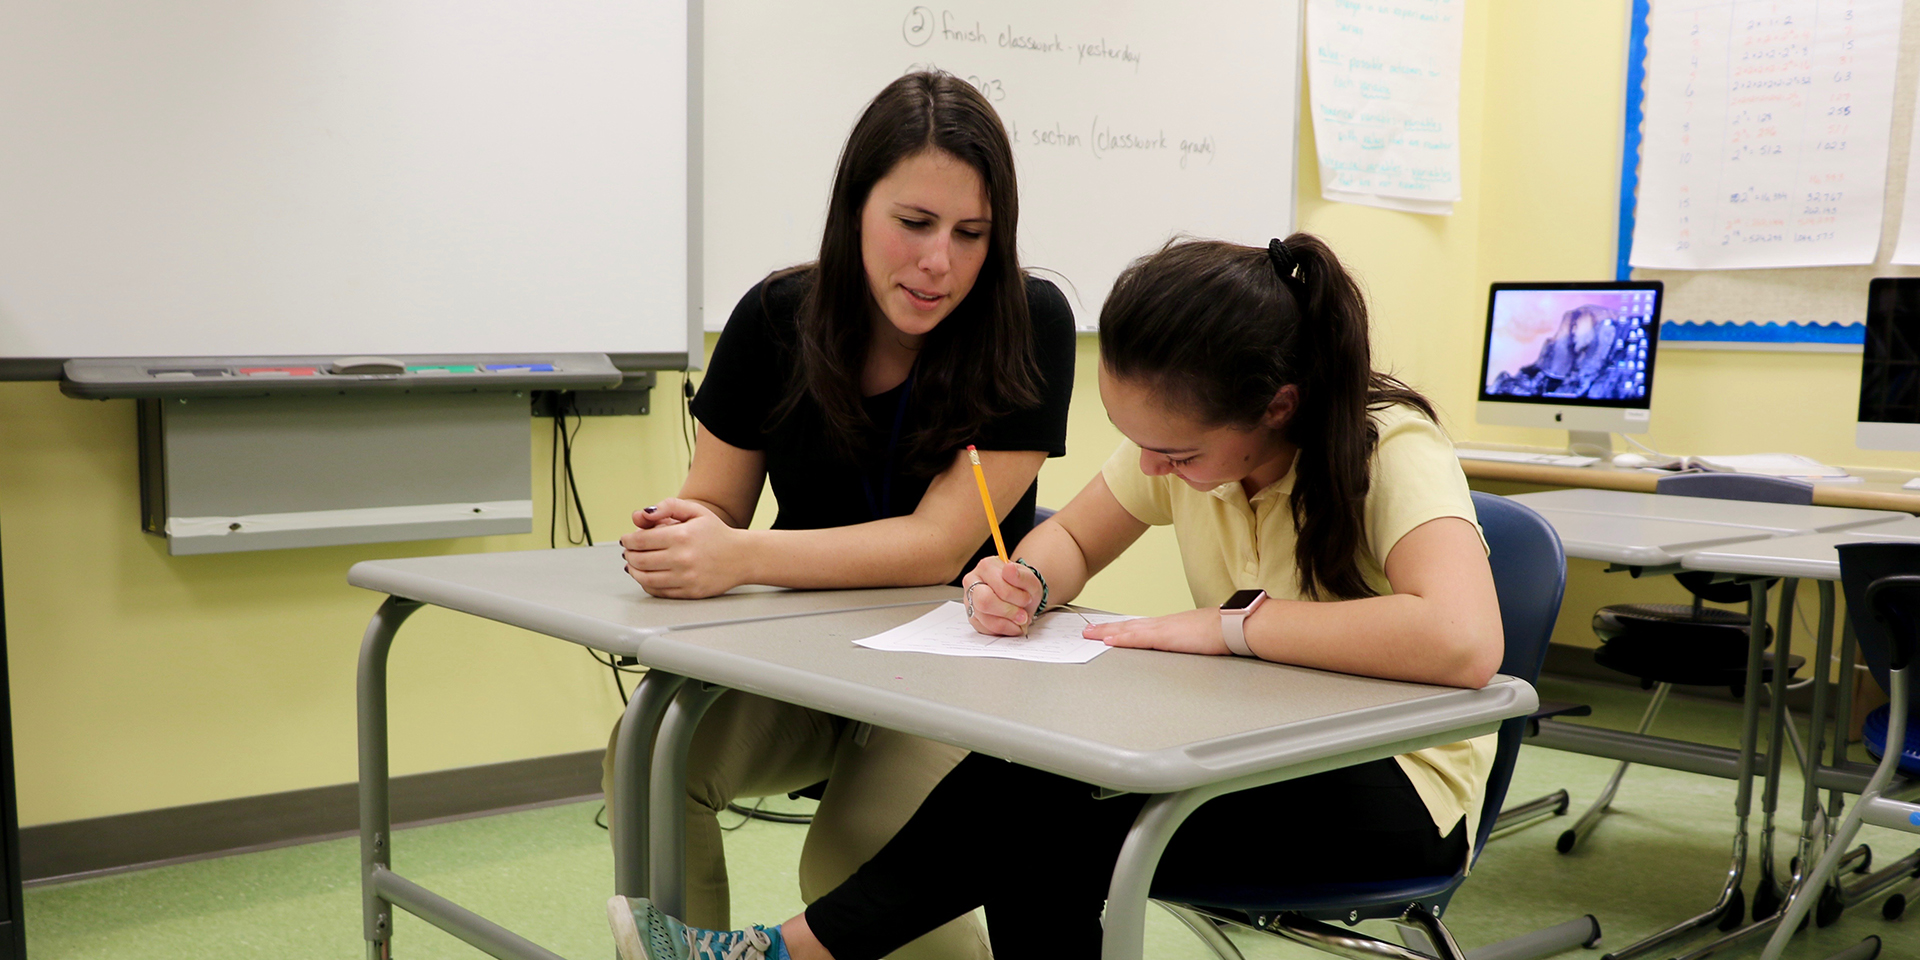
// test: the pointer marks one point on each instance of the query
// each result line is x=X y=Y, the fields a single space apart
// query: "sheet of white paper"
x=1384 y=82
x=1054 y=638
x=1906 y=249
x=1766 y=133
x=1771 y=464
x=1438 y=208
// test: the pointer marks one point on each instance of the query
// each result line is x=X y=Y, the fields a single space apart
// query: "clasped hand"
x=682 y=549
x=1004 y=597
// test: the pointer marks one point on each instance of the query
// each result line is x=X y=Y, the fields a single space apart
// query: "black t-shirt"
x=752 y=370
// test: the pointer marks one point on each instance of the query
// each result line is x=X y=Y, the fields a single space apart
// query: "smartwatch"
x=1233 y=619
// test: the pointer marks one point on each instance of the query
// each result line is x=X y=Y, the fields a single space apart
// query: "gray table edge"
x=1445 y=717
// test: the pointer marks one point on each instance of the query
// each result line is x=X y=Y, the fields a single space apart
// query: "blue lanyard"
x=883 y=507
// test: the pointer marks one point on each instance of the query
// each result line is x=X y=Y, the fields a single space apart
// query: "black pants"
x=1037 y=850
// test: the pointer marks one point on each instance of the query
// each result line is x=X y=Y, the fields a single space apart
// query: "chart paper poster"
x=1384 y=79
x=1766 y=133
x=1907 y=248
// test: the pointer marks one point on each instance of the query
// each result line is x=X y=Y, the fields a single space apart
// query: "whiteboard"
x=317 y=177
x=1133 y=121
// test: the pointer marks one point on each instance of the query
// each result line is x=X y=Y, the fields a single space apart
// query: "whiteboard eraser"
x=366 y=365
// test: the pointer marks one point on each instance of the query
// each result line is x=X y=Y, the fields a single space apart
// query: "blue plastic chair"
x=1873 y=732
x=1735 y=486
x=1530 y=574
x=1882 y=583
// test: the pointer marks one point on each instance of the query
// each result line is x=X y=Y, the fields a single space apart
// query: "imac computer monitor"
x=1576 y=356
x=1890 y=367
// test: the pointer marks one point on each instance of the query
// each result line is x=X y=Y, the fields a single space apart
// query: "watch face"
x=1241 y=599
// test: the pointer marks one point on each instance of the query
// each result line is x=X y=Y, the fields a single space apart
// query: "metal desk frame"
x=692 y=661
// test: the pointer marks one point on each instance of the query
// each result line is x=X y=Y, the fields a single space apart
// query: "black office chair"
x=1529 y=572
x=1882 y=583
x=1663 y=644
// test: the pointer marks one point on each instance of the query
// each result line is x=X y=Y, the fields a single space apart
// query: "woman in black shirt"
x=854 y=384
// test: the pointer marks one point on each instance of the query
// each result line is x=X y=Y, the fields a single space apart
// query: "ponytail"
x=1221 y=328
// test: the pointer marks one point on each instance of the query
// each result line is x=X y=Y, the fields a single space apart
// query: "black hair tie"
x=1283 y=262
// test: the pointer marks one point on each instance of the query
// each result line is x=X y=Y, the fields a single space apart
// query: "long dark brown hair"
x=1218 y=328
x=978 y=363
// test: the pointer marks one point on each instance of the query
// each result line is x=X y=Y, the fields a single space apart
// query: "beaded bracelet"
x=1042 y=608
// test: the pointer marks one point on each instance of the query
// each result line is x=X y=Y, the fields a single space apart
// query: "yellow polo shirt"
x=1229 y=543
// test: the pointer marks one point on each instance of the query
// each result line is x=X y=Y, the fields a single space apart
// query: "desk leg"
x=1810 y=814
x=1729 y=906
x=1802 y=896
x=667 y=813
x=632 y=764
x=376 y=821
x=1768 y=896
x=1124 y=925
x=1769 y=914
x=1842 y=720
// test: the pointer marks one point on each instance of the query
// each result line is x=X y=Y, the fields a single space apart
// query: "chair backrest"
x=1530 y=576
x=1735 y=486
x=1895 y=602
x=1879 y=570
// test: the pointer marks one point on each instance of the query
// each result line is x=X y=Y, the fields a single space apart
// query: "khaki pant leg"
x=874 y=789
x=745 y=746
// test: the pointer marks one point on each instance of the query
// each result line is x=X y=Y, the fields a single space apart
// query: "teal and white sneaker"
x=642 y=932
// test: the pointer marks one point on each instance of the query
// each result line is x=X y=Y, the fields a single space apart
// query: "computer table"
x=1648 y=533
x=1879 y=491
x=1183 y=728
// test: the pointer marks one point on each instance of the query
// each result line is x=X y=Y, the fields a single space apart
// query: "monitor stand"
x=1590 y=443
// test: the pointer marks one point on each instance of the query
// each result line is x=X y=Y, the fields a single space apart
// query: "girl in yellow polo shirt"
x=1322 y=520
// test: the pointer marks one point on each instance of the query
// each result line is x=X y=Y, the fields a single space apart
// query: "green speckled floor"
x=546 y=873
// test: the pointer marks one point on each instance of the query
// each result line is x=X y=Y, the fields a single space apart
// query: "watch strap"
x=1233 y=628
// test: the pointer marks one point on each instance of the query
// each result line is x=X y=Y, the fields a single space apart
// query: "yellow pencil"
x=986 y=500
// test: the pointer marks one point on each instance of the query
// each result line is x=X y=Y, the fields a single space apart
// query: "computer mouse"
x=1630 y=460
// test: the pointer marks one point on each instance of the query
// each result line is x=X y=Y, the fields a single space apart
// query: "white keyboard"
x=1520 y=456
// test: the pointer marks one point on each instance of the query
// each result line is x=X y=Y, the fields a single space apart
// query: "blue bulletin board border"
x=1698 y=333
x=1630 y=146
x=1734 y=334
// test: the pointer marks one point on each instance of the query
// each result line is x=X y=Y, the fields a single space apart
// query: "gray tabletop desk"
x=1810 y=556
x=1182 y=728
x=1653 y=533
x=1648 y=530
x=1645 y=517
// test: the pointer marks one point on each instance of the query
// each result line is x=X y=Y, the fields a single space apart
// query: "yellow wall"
x=142 y=680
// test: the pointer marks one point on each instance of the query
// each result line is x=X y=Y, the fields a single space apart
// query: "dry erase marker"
x=986 y=500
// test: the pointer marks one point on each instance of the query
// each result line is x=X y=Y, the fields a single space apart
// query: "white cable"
x=1628 y=437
